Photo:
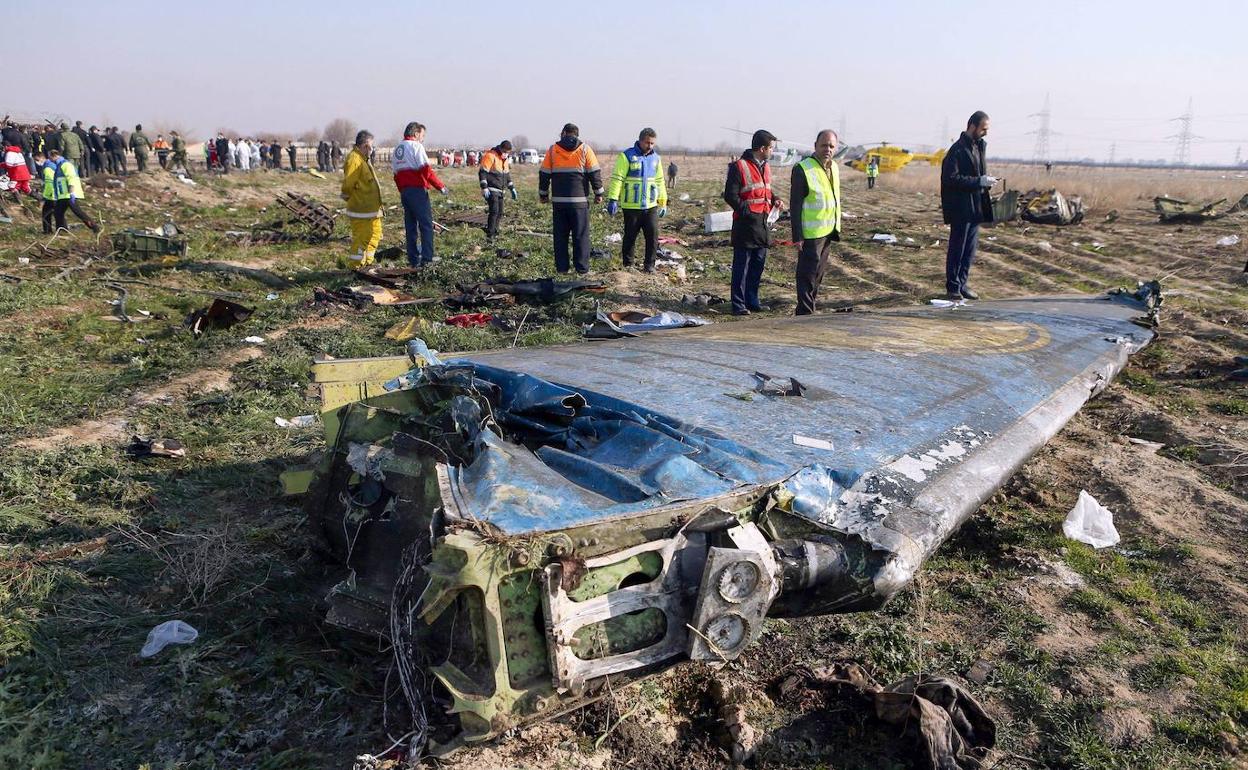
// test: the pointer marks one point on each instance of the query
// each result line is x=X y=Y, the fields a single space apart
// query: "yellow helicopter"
x=888 y=157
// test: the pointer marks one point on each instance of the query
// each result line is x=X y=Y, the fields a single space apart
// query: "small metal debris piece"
x=167 y=447
x=221 y=314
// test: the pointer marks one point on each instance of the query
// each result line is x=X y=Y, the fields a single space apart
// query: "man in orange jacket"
x=494 y=174
x=568 y=176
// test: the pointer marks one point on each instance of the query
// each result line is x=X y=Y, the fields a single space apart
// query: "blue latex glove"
x=662 y=211
x=514 y=195
x=612 y=207
x=73 y=198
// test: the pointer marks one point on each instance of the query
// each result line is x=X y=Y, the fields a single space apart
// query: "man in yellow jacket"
x=362 y=193
x=62 y=189
x=637 y=186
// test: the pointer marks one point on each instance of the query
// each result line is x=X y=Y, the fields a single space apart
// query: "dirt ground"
x=1130 y=657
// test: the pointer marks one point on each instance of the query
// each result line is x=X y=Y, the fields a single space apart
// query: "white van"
x=529 y=156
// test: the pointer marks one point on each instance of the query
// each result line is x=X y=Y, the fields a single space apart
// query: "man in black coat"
x=95 y=150
x=751 y=235
x=290 y=150
x=116 y=144
x=965 y=203
x=223 y=152
x=275 y=155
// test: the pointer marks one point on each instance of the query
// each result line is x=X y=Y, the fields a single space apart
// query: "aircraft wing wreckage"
x=523 y=524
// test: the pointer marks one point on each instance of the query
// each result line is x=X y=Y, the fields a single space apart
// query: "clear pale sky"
x=476 y=72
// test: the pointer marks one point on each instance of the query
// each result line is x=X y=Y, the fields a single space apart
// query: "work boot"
x=953 y=296
x=969 y=294
x=741 y=311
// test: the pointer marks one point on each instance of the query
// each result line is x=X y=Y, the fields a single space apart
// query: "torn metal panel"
x=1173 y=210
x=1050 y=207
x=608 y=510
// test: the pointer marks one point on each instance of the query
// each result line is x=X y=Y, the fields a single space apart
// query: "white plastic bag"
x=165 y=634
x=1090 y=522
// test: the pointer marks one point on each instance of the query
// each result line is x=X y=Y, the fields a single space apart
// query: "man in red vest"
x=748 y=191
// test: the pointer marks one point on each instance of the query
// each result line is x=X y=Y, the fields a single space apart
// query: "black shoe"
x=969 y=294
x=953 y=296
x=649 y=269
x=758 y=308
x=742 y=311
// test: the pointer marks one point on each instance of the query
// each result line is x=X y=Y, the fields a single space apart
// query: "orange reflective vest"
x=755 y=188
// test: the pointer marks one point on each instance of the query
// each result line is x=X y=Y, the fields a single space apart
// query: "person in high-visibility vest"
x=494 y=175
x=747 y=190
x=873 y=170
x=362 y=192
x=816 y=182
x=62 y=189
x=637 y=186
x=568 y=177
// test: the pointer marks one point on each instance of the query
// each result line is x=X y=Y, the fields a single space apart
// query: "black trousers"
x=293 y=167
x=110 y=162
x=647 y=222
x=163 y=158
x=812 y=263
x=97 y=162
x=963 y=238
x=56 y=210
x=870 y=183
x=140 y=158
x=571 y=222
x=495 y=206
x=119 y=162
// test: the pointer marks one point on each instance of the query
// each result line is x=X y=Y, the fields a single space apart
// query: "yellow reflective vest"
x=821 y=208
x=637 y=180
x=60 y=180
x=360 y=188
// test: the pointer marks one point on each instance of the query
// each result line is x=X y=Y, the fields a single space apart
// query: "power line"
x=1183 y=146
x=1041 y=152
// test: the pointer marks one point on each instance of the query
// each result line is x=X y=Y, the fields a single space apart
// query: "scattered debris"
x=165 y=634
x=147 y=243
x=717 y=222
x=884 y=238
x=406 y=330
x=948 y=303
x=221 y=314
x=1176 y=211
x=140 y=448
x=302 y=421
x=1228 y=240
x=1044 y=246
x=1152 y=446
x=361 y=297
x=1090 y=522
x=632 y=323
x=701 y=300
x=614 y=238
x=1112 y=216
x=949 y=729
x=254 y=340
x=979 y=671
x=468 y=320
x=1051 y=207
x=316 y=219
x=498 y=291
x=770 y=386
x=1005 y=206
x=813 y=443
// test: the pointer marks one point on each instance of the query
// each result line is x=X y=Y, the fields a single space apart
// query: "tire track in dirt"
x=861 y=262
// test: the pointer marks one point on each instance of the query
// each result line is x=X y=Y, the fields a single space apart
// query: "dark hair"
x=571 y=129
x=761 y=139
x=504 y=145
x=977 y=117
x=138 y=126
x=412 y=129
x=362 y=137
x=647 y=132
x=827 y=131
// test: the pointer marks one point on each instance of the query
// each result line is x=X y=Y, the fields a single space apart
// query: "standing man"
x=117 y=149
x=494 y=175
x=965 y=203
x=141 y=147
x=257 y=151
x=748 y=191
x=223 y=152
x=671 y=175
x=335 y=156
x=873 y=170
x=275 y=155
x=638 y=177
x=16 y=137
x=162 y=151
x=816 y=182
x=244 y=154
x=362 y=193
x=414 y=177
x=179 y=154
x=290 y=150
x=569 y=173
x=84 y=168
x=62 y=189
x=95 y=143
x=72 y=148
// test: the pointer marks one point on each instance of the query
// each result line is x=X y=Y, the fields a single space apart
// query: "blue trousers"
x=747 y=272
x=963 y=237
x=418 y=219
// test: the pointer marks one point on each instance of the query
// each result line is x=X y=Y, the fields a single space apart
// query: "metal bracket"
x=737 y=588
x=671 y=592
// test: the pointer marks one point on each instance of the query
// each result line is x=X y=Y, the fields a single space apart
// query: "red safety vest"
x=755 y=187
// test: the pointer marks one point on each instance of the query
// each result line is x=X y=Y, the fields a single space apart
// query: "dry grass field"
x=1132 y=657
